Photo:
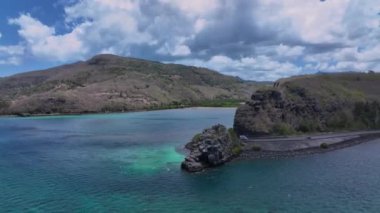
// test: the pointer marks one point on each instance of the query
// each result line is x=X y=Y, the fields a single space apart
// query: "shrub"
x=236 y=145
x=3 y=104
x=368 y=113
x=256 y=148
x=324 y=145
x=218 y=103
x=196 y=137
x=283 y=129
x=340 y=120
x=236 y=150
x=308 y=125
x=233 y=136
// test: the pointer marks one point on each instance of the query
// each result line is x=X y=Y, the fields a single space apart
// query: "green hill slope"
x=314 y=103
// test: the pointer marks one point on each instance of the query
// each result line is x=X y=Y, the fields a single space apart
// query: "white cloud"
x=12 y=50
x=177 y=50
x=42 y=41
x=11 y=55
x=312 y=21
x=95 y=9
x=199 y=25
x=113 y=22
x=370 y=54
x=175 y=47
x=10 y=61
x=253 y=68
x=261 y=39
x=31 y=29
x=348 y=66
x=181 y=50
x=286 y=51
x=194 y=7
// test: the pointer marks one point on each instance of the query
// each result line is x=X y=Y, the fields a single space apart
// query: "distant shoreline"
x=27 y=115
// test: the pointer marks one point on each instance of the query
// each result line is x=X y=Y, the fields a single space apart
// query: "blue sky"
x=48 y=12
x=252 y=39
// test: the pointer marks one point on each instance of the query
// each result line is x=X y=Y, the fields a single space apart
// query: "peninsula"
x=298 y=115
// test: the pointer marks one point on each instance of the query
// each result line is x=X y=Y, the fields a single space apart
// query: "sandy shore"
x=283 y=147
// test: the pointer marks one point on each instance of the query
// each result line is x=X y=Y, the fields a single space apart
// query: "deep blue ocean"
x=130 y=162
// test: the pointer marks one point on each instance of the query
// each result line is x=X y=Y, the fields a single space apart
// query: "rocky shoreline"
x=217 y=145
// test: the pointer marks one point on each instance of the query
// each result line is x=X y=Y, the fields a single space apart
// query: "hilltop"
x=313 y=103
x=110 y=83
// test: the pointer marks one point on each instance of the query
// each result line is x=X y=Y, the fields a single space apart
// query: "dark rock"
x=213 y=147
x=192 y=165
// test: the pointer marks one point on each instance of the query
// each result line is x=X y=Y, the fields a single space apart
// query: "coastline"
x=27 y=115
x=249 y=154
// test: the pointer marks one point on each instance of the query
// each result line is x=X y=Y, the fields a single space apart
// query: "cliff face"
x=318 y=103
x=109 y=83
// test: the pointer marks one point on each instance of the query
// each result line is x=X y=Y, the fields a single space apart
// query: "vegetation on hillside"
x=314 y=103
x=109 y=83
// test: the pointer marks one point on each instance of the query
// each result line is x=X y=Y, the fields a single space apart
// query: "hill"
x=313 y=103
x=109 y=83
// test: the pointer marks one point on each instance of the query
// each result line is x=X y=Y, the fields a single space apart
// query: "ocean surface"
x=130 y=162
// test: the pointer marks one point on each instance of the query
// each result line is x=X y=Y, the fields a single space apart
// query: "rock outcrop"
x=213 y=147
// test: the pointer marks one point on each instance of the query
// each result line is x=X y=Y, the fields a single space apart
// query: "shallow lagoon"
x=129 y=162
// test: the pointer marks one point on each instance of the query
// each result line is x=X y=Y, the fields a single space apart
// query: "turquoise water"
x=130 y=163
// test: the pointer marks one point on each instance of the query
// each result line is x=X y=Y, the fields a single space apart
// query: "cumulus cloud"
x=10 y=54
x=12 y=50
x=195 y=7
x=42 y=41
x=10 y=61
x=262 y=67
x=31 y=29
x=286 y=51
x=178 y=50
x=257 y=40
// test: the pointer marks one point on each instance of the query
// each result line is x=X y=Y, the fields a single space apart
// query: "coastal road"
x=291 y=143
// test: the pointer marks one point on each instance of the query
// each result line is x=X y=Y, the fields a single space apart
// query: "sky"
x=260 y=40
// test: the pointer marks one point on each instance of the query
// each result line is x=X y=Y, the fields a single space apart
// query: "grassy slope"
x=350 y=99
x=353 y=100
x=314 y=103
x=337 y=86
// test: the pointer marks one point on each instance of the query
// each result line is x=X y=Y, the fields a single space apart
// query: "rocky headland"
x=213 y=147
x=297 y=116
